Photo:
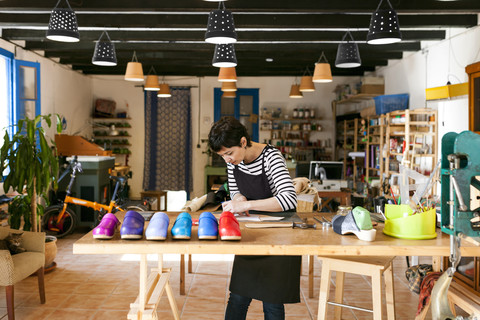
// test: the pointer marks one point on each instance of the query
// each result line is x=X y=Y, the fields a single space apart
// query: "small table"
x=155 y=194
x=344 y=196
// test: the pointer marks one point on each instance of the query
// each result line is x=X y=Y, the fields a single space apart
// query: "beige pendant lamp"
x=229 y=94
x=229 y=86
x=323 y=72
x=134 y=70
x=295 y=92
x=227 y=74
x=306 y=83
x=164 y=91
x=151 y=83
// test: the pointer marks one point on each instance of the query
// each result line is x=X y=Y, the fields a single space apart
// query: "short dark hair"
x=227 y=132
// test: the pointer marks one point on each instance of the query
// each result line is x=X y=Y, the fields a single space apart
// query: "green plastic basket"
x=418 y=226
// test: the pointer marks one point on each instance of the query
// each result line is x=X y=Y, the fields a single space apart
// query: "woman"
x=258 y=179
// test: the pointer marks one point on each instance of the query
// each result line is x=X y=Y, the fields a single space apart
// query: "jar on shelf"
x=300 y=113
x=295 y=113
x=306 y=113
x=343 y=210
x=312 y=113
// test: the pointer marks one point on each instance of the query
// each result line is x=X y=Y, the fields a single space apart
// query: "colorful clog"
x=132 y=226
x=106 y=228
x=182 y=228
x=229 y=228
x=157 y=228
x=207 y=226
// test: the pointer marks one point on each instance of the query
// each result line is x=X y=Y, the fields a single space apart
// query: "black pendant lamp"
x=63 y=24
x=104 y=54
x=224 y=56
x=220 y=27
x=384 y=26
x=347 y=53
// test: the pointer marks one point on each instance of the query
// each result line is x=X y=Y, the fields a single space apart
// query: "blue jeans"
x=237 y=308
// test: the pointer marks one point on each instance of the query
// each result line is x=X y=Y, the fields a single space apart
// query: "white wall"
x=63 y=91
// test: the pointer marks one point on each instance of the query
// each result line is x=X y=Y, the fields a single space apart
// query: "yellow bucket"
x=417 y=226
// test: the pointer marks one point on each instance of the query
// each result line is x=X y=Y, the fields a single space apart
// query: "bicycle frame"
x=86 y=203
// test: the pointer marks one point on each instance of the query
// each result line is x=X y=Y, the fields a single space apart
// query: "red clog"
x=228 y=227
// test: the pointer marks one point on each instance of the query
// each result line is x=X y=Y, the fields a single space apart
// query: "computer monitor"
x=326 y=170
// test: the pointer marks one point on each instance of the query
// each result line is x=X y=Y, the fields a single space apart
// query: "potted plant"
x=30 y=166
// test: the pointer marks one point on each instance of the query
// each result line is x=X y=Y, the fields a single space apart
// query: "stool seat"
x=373 y=266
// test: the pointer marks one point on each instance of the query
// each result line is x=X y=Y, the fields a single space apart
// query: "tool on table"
x=302 y=225
x=459 y=169
x=323 y=223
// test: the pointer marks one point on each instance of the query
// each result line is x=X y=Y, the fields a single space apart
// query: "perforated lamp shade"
x=306 y=84
x=229 y=86
x=63 y=25
x=229 y=94
x=384 y=27
x=347 y=54
x=322 y=73
x=104 y=54
x=151 y=84
x=295 y=92
x=220 y=26
x=164 y=91
x=224 y=56
x=227 y=75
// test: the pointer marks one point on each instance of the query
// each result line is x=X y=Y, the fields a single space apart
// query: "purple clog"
x=132 y=226
x=157 y=227
x=106 y=228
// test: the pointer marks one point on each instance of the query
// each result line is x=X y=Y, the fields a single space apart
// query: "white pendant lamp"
x=384 y=27
x=134 y=70
x=323 y=72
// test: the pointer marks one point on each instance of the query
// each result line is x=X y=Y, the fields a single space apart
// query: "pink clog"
x=106 y=228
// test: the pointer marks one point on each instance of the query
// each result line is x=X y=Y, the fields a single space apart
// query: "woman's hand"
x=238 y=205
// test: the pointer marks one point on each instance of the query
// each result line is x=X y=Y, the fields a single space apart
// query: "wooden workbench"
x=273 y=241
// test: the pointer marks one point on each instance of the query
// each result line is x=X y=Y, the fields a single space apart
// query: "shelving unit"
x=119 y=144
x=295 y=138
x=411 y=136
x=375 y=142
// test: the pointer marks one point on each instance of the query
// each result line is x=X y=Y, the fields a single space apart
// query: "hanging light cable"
x=384 y=27
x=63 y=25
x=347 y=53
x=323 y=72
x=104 y=54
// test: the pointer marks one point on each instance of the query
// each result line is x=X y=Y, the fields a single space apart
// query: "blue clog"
x=182 y=228
x=157 y=227
x=132 y=226
x=207 y=226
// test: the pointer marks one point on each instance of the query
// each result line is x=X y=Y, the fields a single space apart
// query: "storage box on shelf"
x=411 y=137
x=298 y=139
x=120 y=143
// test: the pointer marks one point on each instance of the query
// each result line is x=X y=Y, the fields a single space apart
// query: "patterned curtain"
x=168 y=141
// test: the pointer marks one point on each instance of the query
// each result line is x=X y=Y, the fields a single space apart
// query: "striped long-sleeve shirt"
x=276 y=171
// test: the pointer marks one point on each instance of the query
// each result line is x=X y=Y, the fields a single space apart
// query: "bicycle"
x=59 y=220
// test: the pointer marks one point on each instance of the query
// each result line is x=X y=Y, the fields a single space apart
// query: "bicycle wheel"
x=134 y=207
x=66 y=225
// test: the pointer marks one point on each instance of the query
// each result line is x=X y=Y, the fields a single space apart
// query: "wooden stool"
x=368 y=266
x=155 y=194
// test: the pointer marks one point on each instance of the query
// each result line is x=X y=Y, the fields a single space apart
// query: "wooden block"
x=305 y=202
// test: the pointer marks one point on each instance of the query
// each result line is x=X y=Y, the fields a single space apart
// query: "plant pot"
x=50 y=252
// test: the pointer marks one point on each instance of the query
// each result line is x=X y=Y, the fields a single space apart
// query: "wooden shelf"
x=357 y=98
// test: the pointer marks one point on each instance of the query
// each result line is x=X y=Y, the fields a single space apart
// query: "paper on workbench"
x=257 y=218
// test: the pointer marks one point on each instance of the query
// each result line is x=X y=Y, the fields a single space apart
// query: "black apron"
x=273 y=279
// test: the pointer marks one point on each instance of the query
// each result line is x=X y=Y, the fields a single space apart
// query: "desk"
x=330 y=195
x=324 y=242
x=213 y=172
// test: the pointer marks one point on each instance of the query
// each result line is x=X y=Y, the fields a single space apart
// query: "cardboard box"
x=373 y=88
x=373 y=80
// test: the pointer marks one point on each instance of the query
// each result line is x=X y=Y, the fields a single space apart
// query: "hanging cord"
x=307 y=71
x=150 y=71
x=322 y=56
x=68 y=4
x=381 y=1
x=134 y=58
x=346 y=34
x=105 y=33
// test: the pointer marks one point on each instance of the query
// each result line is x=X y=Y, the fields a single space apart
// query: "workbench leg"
x=340 y=280
x=437 y=263
x=190 y=269
x=171 y=300
x=143 y=285
x=324 y=291
x=182 y=274
x=310 y=275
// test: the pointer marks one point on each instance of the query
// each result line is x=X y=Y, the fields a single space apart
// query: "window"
x=6 y=110
x=244 y=107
